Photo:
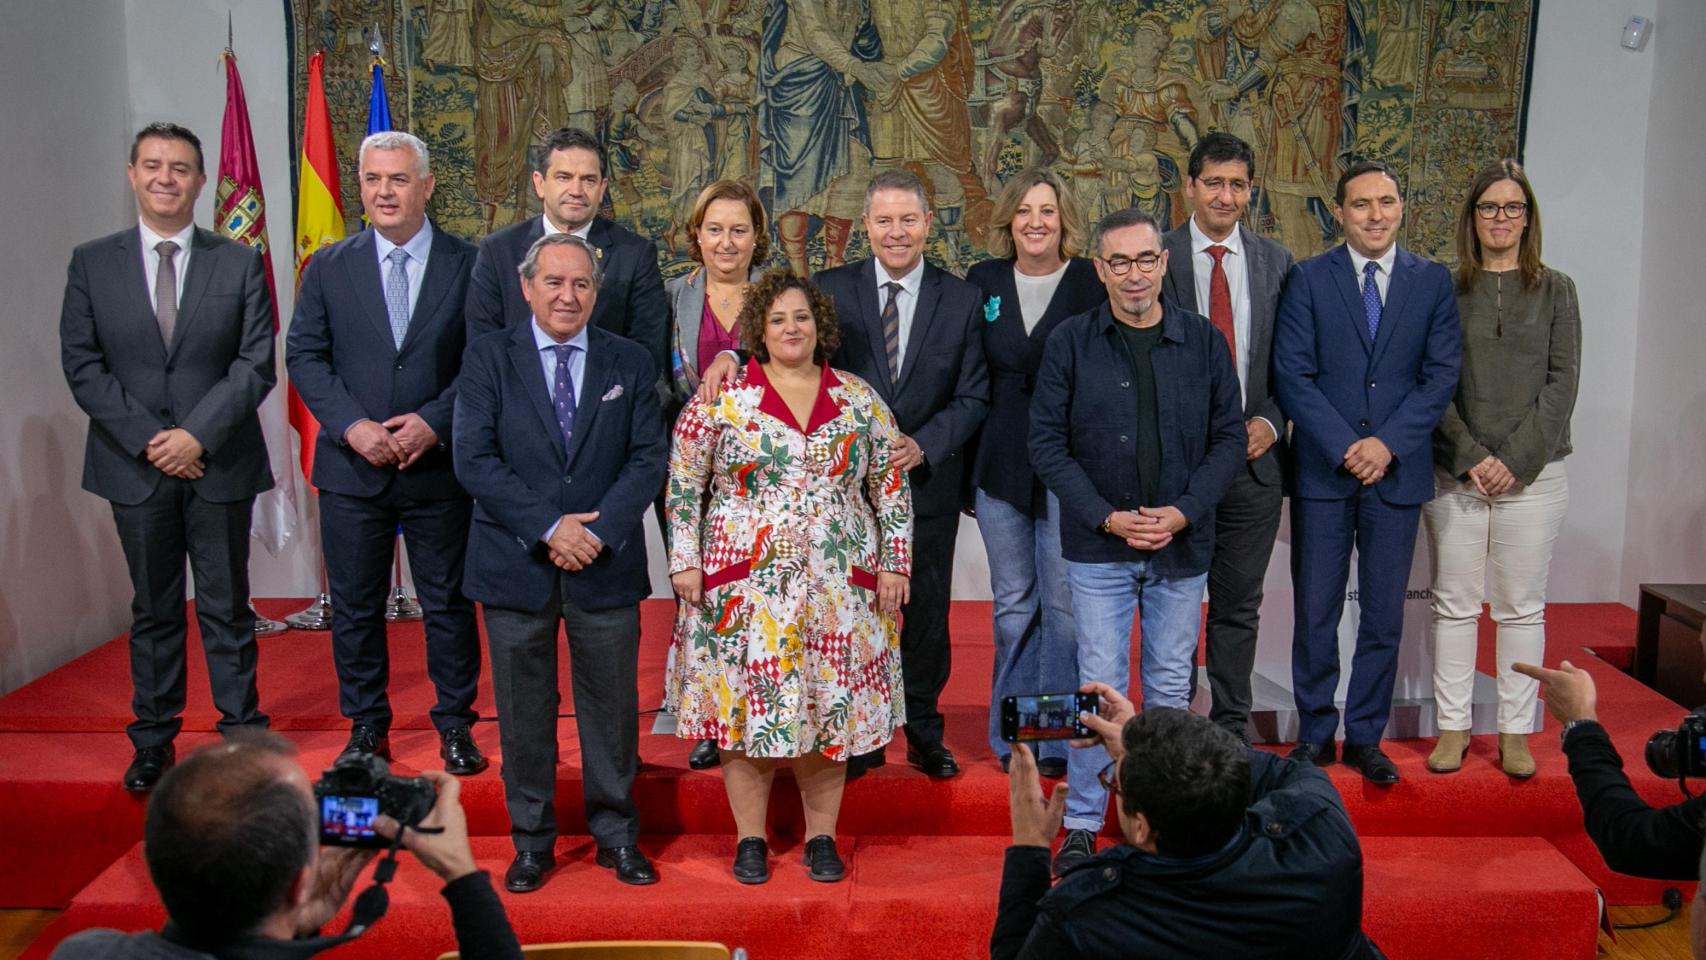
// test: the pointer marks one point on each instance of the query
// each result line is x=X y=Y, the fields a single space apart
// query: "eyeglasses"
x=1147 y=262
x=1488 y=210
x=1109 y=778
x=1216 y=184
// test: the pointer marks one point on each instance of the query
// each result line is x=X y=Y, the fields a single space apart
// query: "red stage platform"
x=1506 y=860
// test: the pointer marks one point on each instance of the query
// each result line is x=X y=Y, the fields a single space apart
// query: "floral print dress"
x=788 y=654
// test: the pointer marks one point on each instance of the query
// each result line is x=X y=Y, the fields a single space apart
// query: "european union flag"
x=378 y=108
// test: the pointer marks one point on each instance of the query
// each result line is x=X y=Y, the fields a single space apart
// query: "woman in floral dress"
x=792 y=571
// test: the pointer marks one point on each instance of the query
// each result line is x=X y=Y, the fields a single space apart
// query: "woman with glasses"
x=1035 y=281
x=1500 y=488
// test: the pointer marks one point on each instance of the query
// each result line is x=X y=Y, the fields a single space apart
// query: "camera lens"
x=1661 y=754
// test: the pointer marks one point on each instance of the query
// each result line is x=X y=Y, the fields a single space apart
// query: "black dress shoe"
x=1054 y=767
x=704 y=755
x=366 y=740
x=630 y=864
x=527 y=871
x=1320 y=754
x=825 y=863
x=147 y=766
x=461 y=754
x=752 y=860
x=933 y=758
x=1376 y=767
x=857 y=765
x=1079 y=846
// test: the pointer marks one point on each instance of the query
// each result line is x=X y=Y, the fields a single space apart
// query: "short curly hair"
x=742 y=194
x=763 y=296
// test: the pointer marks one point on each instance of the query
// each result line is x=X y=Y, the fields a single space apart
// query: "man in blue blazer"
x=559 y=439
x=1366 y=355
x=374 y=349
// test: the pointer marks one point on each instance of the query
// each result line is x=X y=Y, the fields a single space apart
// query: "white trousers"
x=1497 y=550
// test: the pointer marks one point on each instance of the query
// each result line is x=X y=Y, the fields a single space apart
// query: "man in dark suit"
x=570 y=179
x=910 y=329
x=1366 y=355
x=167 y=342
x=559 y=440
x=374 y=349
x=1220 y=269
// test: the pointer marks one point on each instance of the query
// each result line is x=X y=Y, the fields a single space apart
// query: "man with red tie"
x=1218 y=267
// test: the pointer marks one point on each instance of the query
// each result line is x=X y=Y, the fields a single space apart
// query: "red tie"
x=1220 y=301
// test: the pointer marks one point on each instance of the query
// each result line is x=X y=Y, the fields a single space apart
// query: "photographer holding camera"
x=1228 y=852
x=231 y=837
x=1663 y=843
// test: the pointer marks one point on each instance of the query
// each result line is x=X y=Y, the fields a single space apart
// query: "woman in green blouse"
x=1500 y=489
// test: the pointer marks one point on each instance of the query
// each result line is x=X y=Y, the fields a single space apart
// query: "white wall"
x=63 y=586
x=1664 y=537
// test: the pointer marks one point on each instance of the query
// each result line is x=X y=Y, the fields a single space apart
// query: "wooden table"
x=1685 y=605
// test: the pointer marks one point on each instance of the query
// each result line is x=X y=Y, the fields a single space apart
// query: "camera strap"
x=369 y=907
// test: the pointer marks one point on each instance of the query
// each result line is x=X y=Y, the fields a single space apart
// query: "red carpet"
x=1472 y=858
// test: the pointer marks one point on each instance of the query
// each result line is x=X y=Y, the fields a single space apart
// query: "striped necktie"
x=891 y=328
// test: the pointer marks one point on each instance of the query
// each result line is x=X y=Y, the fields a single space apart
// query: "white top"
x=151 y=259
x=1382 y=276
x=906 y=304
x=551 y=228
x=546 y=345
x=1035 y=294
x=418 y=247
x=1236 y=265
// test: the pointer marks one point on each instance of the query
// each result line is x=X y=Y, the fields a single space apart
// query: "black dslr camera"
x=1679 y=753
x=356 y=789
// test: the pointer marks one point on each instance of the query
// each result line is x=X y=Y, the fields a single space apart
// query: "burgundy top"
x=713 y=339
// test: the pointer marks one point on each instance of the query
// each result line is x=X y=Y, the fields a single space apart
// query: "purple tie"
x=1371 y=298
x=563 y=392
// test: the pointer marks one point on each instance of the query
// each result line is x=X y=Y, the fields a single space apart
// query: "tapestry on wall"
x=806 y=99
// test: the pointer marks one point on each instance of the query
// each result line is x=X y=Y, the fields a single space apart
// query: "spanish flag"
x=319 y=220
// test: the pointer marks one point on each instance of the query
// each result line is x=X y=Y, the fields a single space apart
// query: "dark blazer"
x=1268 y=263
x=1084 y=434
x=1002 y=468
x=630 y=299
x=346 y=368
x=1338 y=386
x=943 y=391
x=209 y=381
x=509 y=454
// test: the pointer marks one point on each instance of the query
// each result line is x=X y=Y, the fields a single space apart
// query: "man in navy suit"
x=559 y=439
x=167 y=342
x=570 y=178
x=911 y=330
x=1221 y=269
x=374 y=349
x=1366 y=356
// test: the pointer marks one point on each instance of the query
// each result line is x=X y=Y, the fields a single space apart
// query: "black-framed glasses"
x=1488 y=210
x=1146 y=262
x=1109 y=778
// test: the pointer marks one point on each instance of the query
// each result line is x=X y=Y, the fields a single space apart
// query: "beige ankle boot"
x=1448 y=752
x=1514 y=755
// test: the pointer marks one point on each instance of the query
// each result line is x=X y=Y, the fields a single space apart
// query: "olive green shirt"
x=1522 y=352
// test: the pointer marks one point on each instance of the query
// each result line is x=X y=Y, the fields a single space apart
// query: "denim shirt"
x=1084 y=433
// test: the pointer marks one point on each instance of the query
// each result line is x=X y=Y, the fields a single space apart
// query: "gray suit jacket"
x=209 y=380
x=686 y=296
x=1269 y=263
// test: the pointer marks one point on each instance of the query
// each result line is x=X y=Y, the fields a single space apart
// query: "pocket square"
x=612 y=393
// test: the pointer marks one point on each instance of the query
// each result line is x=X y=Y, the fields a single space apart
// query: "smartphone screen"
x=1045 y=716
x=346 y=820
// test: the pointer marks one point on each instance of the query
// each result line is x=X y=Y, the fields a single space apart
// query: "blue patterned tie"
x=397 y=295
x=563 y=391
x=1371 y=298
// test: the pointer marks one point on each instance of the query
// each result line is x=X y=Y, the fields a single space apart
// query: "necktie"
x=166 y=291
x=563 y=392
x=397 y=295
x=891 y=328
x=1371 y=298
x=1220 y=301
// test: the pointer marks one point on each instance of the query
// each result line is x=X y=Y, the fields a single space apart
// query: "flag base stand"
x=401 y=606
x=315 y=616
x=266 y=626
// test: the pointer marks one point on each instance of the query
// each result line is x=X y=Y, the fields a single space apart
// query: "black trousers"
x=925 y=650
x=1245 y=524
x=158 y=534
x=359 y=535
x=604 y=652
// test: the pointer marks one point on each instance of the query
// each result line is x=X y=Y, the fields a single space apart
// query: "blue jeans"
x=1104 y=598
x=1035 y=650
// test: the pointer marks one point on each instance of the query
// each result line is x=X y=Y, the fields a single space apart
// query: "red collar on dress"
x=824 y=409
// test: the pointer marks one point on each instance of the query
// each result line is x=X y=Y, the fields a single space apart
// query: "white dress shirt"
x=418 y=247
x=906 y=303
x=551 y=228
x=547 y=345
x=1236 y=265
x=151 y=259
x=1382 y=276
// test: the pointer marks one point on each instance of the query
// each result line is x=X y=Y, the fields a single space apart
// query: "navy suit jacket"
x=943 y=392
x=630 y=302
x=1084 y=434
x=1339 y=386
x=509 y=454
x=346 y=366
x=209 y=380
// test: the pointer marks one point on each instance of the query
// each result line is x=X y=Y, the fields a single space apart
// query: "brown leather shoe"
x=1448 y=752
x=1514 y=756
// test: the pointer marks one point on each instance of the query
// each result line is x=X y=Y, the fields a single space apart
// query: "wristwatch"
x=1564 y=735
